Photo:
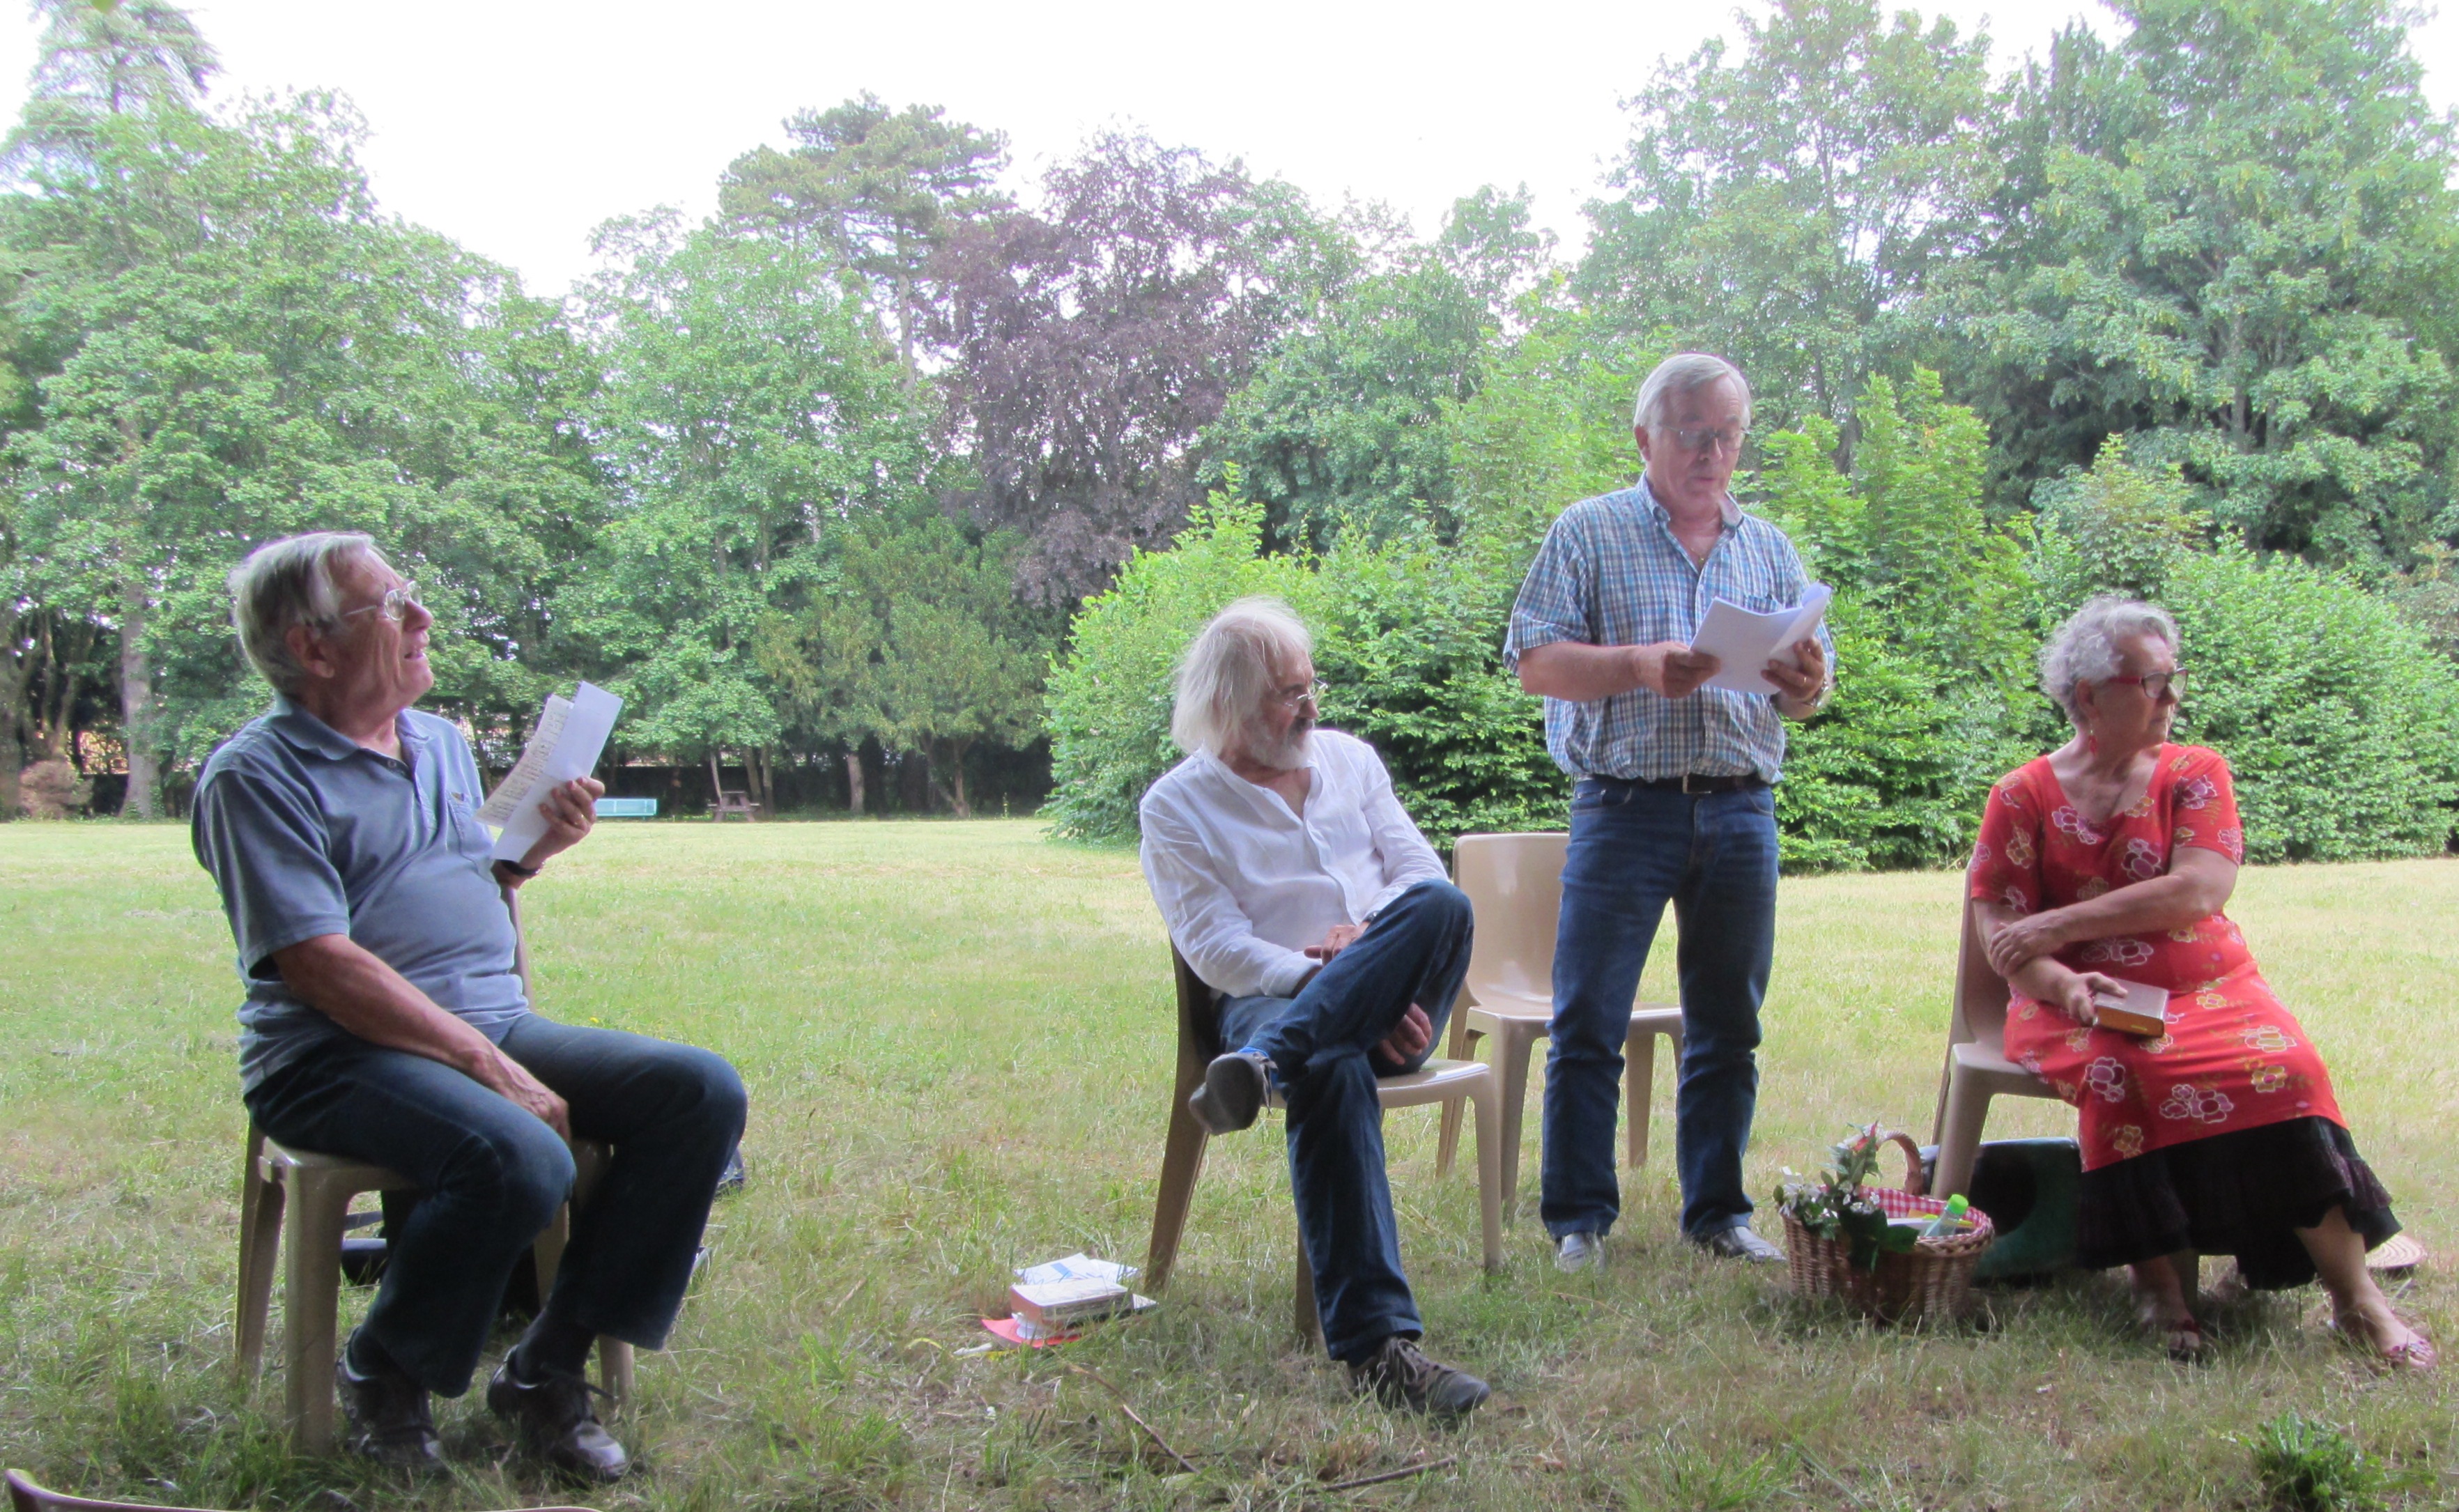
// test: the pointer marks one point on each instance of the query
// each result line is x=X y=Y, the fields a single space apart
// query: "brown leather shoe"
x=1400 y=1374
x=558 y=1423
x=385 y=1418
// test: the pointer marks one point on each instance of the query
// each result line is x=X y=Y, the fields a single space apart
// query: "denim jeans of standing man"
x=493 y=1174
x=1632 y=850
x=1320 y=1043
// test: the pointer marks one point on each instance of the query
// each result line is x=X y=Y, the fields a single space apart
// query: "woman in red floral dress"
x=2111 y=857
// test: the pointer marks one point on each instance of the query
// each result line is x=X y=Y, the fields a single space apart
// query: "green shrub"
x=2309 y=1466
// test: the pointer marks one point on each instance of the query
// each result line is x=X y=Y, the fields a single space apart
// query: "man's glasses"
x=392 y=605
x=1701 y=438
x=1314 y=690
x=2155 y=685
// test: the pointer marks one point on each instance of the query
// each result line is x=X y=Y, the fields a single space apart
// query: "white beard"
x=1289 y=753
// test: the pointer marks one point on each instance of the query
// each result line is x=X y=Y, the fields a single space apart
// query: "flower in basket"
x=1838 y=1207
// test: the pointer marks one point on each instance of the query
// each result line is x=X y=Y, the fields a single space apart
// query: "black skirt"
x=2244 y=1193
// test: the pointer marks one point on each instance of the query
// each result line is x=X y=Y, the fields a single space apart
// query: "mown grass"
x=958 y=1039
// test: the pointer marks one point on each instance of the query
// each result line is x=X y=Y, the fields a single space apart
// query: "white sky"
x=515 y=126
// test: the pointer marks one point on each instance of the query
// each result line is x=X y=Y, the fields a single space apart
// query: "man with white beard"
x=1298 y=888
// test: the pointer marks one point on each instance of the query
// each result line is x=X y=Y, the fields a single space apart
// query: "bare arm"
x=2043 y=977
x=2197 y=886
x=356 y=989
x=1583 y=674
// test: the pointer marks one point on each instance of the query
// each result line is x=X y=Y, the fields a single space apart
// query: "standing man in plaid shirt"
x=1672 y=802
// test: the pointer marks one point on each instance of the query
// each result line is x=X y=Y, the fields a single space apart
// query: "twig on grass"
x=1183 y=1463
x=1444 y=1463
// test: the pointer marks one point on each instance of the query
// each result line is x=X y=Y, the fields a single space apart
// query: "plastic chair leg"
x=260 y=1243
x=1958 y=1140
x=1639 y=1084
x=1302 y=1309
x=311 y=1302
x=1513 y=1049
x=615 y=1371
x=1463 y=1047
x=1182 y=1162
x=1489 y=1171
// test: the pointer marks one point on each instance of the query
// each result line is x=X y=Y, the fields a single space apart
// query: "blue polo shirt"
x=307 y=833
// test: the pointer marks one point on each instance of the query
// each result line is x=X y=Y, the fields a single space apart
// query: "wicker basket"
x=1933 y=1281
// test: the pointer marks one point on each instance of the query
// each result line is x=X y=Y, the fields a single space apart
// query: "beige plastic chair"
x=1515 y=884
x=24 y=1496
x=1977 y=1068
x=313 y=1192
x=1449 y=1083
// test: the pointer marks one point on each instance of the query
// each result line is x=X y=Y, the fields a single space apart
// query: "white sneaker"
x=1578 y=1251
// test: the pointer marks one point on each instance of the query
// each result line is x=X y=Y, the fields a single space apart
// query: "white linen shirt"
x=1244 y=885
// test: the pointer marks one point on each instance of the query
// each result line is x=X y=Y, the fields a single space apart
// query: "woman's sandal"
x=2416 y=1353
x=2186 y=1342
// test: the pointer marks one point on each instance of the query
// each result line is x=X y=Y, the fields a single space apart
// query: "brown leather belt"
x=1693 y=784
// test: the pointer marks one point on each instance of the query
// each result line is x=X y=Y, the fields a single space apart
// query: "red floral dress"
x=2233 y=1059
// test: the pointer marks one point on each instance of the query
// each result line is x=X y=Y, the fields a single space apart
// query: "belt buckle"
x=1688 y=792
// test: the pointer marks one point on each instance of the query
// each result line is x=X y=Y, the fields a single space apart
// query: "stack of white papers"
x=570 y=737
x=1744 y=641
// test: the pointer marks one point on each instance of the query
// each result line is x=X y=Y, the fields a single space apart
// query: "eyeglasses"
x=392 y=605
x=1314 y=690
x=1702 y=438
x=2155 y=685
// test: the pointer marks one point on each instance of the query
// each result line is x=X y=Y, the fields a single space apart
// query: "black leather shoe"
x=386 y=1418
x=558 y=1423
x=1400 y=1375
x=1233 y=1092
x=1739 y=1243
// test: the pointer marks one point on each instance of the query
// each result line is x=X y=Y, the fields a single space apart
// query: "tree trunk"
x=957 y=780
x=755 y=772
x=716 y=785
x=854 y=778
x=137 y=706
x=12 y=714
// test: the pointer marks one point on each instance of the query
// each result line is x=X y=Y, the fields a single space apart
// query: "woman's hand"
x=2020 y=940
x=2069 y=991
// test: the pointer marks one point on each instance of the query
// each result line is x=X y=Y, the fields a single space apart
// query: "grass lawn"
x=957 y=1039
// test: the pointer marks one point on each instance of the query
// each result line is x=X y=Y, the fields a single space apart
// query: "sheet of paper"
x=571 y=735
x=1744 y=641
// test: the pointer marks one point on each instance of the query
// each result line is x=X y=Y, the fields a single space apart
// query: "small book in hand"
x=2143 y=1009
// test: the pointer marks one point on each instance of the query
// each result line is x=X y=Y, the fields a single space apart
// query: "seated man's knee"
x=1438 y=908
x=702 y=1091
x=522 y=1171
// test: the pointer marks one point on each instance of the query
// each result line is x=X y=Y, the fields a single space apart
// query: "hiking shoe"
x=1400 y=1375
x=1575 y=1252
x=1233 y=1092
x=1739 y=1243
x=558 y=1423
x=385 y=1418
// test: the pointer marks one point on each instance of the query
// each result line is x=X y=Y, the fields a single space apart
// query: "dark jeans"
x=1633 y=849
x=494 y=1174
x=1416 y=951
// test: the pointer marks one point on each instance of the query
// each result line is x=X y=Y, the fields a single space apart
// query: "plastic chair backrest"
x=1199 y=1010
x=1981 y=994
x=1514 y=884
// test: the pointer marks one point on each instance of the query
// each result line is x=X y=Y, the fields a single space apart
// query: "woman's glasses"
x=2157 y=684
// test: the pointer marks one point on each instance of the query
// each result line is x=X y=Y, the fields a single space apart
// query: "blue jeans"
x=1416 y=951
x=1632 y=850
x=492 y=1175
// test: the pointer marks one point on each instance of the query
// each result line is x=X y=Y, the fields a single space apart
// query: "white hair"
x=1228 y=668
x=291 y=582
x=1685 y=373
x=2085 y=648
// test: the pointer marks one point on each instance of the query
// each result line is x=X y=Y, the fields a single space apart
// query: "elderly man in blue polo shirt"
x=385 y=1020
x=1672 y=802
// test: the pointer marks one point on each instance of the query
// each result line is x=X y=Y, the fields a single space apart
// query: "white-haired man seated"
x=1296 y=887
x=384 y=1021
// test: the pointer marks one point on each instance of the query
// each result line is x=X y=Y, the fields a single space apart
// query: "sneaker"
x=1739 y=1243
x=1402 y=1376
x=1574 y=1252
x=1233 y=1092
x=558 y=1422
x=385 y=1418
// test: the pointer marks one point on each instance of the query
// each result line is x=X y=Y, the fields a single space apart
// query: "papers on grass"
x=2143 y=1010
x=571 y=735
x=1744 y=641
x=1051 y=1301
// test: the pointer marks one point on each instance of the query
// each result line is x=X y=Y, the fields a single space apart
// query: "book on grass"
x=2143 y=1009
x=1052 y=1305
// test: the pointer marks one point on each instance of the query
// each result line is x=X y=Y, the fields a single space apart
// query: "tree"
x=102 y=58
x=877 y=190
x=1796 y=209
x=2230 y=239
x=1091 y=341
x=750 y=414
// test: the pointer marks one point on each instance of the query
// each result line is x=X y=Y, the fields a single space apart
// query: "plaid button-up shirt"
x=1611 y=573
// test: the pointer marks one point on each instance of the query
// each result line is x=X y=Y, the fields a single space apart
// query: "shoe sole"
x=1231 y=1097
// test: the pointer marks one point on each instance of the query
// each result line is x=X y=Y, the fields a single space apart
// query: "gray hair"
x=1685 y=373
x=2085 y=648
x=291 y=582
x=1228 y=668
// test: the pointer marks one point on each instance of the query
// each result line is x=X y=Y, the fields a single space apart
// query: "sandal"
x=2185 y=1341
x=2415 y=1352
